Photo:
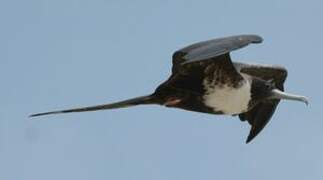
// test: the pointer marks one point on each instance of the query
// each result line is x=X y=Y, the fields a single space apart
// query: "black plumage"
x=204 y=79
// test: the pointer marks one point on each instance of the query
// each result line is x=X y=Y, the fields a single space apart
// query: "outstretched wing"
x=260 y=115
x=211 y=49
x=150 y=99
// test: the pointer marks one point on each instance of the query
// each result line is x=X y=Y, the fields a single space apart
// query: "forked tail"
x=150 y=99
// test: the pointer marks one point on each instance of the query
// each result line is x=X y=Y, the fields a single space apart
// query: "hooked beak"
x=278 y=94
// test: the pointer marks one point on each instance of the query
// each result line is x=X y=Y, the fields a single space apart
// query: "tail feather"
x=150 y=99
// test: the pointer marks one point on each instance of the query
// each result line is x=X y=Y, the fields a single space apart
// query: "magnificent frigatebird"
x=204 y=79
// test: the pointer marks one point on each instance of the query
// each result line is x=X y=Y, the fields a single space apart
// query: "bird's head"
x=262 y=90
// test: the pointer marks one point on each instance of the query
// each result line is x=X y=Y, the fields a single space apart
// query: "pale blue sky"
x=68 y=53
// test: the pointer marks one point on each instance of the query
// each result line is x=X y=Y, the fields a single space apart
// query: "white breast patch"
x=227 y=99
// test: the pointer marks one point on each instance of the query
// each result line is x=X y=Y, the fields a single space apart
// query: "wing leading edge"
x=213 y=48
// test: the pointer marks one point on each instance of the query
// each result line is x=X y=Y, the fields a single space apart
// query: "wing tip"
x=43 y=114
x=35 y=115
x=254 y=38
x=250 y=138
x=252 y=134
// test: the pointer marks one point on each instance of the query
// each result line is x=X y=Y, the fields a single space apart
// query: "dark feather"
x=213 y=48
x=126 y=103
x=259 y=116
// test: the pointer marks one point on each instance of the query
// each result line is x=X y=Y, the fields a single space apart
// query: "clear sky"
x=68 y=53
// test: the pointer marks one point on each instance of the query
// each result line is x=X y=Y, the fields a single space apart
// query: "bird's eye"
x=269 y=86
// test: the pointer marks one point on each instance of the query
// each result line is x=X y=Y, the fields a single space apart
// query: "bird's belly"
x=227 y=99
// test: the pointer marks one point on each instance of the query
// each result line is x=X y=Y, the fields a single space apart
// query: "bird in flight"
x=205 y=79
